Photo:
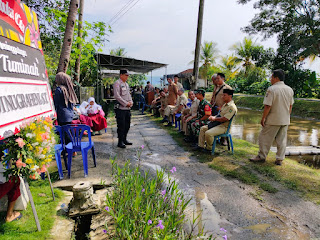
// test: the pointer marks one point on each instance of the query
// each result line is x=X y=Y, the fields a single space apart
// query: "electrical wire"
x=117 y=19
x=121 y=10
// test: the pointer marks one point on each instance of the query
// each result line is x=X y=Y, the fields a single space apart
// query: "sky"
x=164 y=31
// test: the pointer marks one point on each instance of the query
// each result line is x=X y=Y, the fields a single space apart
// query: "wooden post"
x=32 y=205
x=198 y=45
x=51 y=186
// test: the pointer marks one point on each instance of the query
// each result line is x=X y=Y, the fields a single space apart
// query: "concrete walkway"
x=225 y=203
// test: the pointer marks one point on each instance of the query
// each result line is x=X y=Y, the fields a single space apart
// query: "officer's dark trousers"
x=123 y=123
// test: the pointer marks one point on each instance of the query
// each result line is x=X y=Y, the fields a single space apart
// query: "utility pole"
x=198 y=45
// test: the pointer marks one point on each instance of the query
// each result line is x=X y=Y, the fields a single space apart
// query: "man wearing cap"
x=220 y=85
x=220 y=122
x=204 y=112
x=275 y=120
x=122 y=107
x=176 y=81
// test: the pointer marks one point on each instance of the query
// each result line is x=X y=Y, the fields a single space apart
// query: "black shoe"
x=121 y=145
x=127 y=143
x=197 y=148
x=204 y=150
x=169 y=124
x=165 y=119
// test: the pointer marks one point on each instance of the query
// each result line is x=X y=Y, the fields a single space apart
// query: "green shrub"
x=145 y=207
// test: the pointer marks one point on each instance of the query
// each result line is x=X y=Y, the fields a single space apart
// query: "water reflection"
x=300 y=133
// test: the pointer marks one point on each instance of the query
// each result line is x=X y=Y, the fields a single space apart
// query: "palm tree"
x=208 y=56
x=229 y=66
x=68 y=36
x=243 y=53
x=120 y=52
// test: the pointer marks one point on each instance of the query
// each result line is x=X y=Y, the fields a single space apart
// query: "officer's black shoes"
x=121 y=144
x=169 y=124
x=127 y=143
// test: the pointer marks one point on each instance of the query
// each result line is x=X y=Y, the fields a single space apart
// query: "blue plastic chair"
x=58 y=149
x=227 y=134
x=143 y=102
x=75 y=133
x=177 y=117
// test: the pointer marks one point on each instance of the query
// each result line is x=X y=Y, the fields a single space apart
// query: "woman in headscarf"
x=96 y=114
x=64 y=99
x=84 y=119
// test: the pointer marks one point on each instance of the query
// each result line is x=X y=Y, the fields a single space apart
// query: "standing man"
x=176 y=81
x=173 y=92
x=122 y=108
x=278 y=103
x=217 y=100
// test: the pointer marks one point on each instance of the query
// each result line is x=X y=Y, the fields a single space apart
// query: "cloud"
x=165 y=30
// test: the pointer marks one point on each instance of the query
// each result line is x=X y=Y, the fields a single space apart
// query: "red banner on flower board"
x=25 y=92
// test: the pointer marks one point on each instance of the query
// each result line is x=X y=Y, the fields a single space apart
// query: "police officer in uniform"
x=275 y=120
x=122 y=107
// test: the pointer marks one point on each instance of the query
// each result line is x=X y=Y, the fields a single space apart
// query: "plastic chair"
x=58 y=149
x=75 y=133
x=177 y=119
x=143 y=102
x=227 y=134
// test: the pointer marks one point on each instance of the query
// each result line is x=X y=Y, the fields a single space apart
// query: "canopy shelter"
x=116 y=63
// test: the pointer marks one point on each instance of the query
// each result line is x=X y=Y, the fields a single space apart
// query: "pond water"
x=301 y=132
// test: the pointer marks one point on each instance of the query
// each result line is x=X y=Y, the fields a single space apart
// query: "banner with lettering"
x=24 y=86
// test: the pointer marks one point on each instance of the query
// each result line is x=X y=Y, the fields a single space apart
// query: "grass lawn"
x=265 y=176
x=25 y=228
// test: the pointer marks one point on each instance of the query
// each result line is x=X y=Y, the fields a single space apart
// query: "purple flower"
x=142 y=190
x=173 y=170
x=142 y=146
x=181 y=201
x=225 y=237
x=107 y=209
x=163 y=192
x=149 y=222
x=104 y=231
x=160 y=225
x=165 y=199
x=223 y=230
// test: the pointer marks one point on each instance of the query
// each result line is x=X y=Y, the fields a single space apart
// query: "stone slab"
x=67 y=184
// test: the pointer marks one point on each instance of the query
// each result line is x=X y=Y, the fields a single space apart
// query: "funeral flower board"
x=25 y=92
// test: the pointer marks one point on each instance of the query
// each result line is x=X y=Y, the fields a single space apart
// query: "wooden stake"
x=51 y=185
x=32 y=205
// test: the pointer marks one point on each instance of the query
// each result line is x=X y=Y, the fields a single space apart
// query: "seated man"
x=163 y=101
x=203 y=113
x=171 y=111
x=189 y=113
x=155 y=105
x=219 y=123
x=12 y=189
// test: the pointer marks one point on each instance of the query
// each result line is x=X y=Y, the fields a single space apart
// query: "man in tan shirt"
x=171 y=111
x=275 y=120
x=173 y=92
x=189 y=113
x=163 y=101
x=216 y=100
x=228 y=110
x=176 y=81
